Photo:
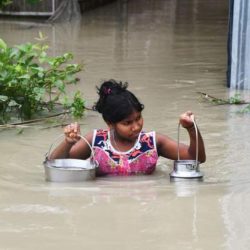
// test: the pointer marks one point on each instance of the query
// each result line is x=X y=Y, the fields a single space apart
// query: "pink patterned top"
x=140 y=159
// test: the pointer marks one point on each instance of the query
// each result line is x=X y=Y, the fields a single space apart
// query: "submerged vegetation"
x=33 y=83
x=234 y=100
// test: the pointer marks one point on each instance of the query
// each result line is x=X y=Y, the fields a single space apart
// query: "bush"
x=31 y=81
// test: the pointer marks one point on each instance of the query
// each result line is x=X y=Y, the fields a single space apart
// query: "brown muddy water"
x=168 y=51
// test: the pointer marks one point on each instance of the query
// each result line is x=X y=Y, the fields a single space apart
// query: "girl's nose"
x=136 y=127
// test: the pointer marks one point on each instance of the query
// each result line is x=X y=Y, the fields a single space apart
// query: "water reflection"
x=235 y=210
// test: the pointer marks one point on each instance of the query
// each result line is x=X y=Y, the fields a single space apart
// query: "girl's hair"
x=116 y=102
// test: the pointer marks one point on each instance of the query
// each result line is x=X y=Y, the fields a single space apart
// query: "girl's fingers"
x=186 y=119
x=76 y=127
x=72 y=131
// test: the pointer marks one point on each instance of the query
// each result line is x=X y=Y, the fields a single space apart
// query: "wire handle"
x=53 y=143
x=196 y=140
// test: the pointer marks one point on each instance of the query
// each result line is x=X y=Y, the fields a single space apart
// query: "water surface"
x=167 y=51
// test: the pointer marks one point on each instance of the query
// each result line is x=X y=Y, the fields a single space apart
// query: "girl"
x=124 y=148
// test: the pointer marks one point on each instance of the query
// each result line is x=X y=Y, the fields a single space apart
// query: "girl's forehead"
x=133 y=115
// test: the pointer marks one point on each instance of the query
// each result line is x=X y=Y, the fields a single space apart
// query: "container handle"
x=53 y=143
x=196 y=140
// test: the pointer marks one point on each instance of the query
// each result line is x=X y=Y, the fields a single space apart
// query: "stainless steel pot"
x=186 y=168
x=70 y=170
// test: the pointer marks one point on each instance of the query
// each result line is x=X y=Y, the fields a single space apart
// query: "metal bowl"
x=69 y=170
x=186 y=169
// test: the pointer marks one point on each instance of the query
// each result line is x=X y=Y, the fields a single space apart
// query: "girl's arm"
x=168 y=148
x=73 y=145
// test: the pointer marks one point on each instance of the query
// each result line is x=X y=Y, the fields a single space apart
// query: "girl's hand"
x=186 y=119
x=72 y=133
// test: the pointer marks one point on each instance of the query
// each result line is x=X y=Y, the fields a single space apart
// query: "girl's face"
x=129 y=128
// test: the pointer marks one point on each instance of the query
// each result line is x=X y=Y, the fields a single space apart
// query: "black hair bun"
x=111 y=87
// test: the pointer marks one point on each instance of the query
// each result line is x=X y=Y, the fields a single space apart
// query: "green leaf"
x=78 y=105
x=3 y=45
x=39 y=93
x=18 y=68
x=3 y=98
x=26 y=76
x=13 y=103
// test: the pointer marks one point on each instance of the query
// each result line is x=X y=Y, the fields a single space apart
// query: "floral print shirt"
x=140 y=159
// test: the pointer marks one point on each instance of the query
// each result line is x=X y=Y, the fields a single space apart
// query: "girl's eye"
x=127 y=122
x=138 y=118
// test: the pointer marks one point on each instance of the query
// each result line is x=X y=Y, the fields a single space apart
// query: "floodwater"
x=168 y=50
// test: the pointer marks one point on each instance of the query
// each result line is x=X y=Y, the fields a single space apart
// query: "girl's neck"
x=121 y=144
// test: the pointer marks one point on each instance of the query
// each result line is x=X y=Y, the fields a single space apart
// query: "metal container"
x=188 y=169
x=70 y=170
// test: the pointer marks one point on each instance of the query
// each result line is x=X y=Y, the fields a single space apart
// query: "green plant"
x=246 y=109
x=4 y=3
x=77 y=106
x=32 y=81
x=236 y=99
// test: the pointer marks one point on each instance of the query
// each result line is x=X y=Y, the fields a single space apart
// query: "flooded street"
x=168 y=51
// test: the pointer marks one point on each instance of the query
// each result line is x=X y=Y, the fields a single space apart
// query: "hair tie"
x=107 y=91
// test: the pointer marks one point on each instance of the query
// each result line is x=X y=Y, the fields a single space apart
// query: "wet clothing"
x=140 y=159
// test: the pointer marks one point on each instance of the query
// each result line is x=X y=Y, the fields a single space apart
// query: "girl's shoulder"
x=163 y=140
